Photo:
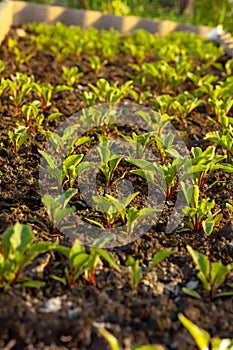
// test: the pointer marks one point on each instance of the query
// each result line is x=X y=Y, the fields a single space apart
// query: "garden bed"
x=148 y=313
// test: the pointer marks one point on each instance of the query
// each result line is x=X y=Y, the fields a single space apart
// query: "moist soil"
x=147 y=315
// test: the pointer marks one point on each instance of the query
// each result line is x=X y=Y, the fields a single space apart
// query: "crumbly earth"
x=147 y=315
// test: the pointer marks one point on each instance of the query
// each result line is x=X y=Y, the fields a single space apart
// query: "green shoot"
x=17 y=251
x=211 y=274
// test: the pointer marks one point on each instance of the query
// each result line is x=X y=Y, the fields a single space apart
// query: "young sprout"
x=135 y=271
x=57 y=208
x=202 y=337
x=108 y=163
x=185 y=103
x=162 y=103
x=224 y=139
x=17 y=251
x=21 y=56
x=96 y=63
x=71 y=76
x=229 y=67
x=19 y=89
x=165 y=177
x=199 y=212
x=211 y=274
x=157 y=121
x=18 y=137
x=89 y=98
x=107 y=93
x=139 y=143
x=45 y=92
x=72 y=168
x=103 y=120
x=113 y=210
x=204 y=163
x=84 y=264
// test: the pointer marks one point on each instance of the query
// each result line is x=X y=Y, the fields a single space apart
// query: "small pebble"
x=53 y=305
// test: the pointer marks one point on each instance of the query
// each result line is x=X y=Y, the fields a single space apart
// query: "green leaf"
x=59 y=279
x=60 y=88
x=84 y=166
x=21 y=237
x=107 y=257
x=97 y=223
x=112 y=341
x=218 y=273
x=208 y=226
x=33 y=284
x=126 y=201
x=144 y=212
x=78 y=260
x=54 y=116
x=49 y=159
x=64 y=250
x=101 y=242
x=191 y=293
x=72 y=160
x=67 y=195
x=130 y=261
x=201 y=337
x=41 y=247
x=223 y=294
x=200 y=260
x=82 y=140
x=159 y=257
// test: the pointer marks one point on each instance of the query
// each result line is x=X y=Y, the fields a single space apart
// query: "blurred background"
x=205 y=12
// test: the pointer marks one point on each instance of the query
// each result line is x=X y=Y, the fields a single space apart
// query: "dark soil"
x=147 y=315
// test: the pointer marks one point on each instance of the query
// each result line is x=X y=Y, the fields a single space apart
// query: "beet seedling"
x=211 y=274
x=108 y=163
x=45 y=91
x=224 y=139
x=134 y=217
x=136 y=51
x=162 y=103
x=139 y=143
x=103 y=120
x=166 y=177
x=72 y=168
x=202 y=337
x=81 y=263
x=17 y=251
x=229 y=67
x=96 y=63
x=4 y=86
x=135 y=271
x=71 y=76
x=221 y=107
x=89 y=98
x=199 y=212
x=107 y=93
x=57 y=208
x=185 y=103
x=21 y=56
x=18 y=137
x=113 y=210
x=204 y=163
x=19 y=90
x=157 y=123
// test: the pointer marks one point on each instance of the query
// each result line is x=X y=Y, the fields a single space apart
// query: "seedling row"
x=175 y=87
